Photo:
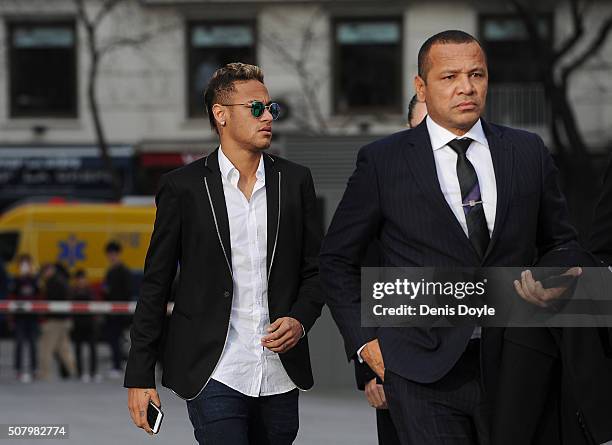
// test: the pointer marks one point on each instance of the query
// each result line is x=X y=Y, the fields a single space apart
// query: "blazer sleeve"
x=159 y=271
x=354 y=225
x=600 y=241
x=309 y=302
x=363 y=375
x=554 y=227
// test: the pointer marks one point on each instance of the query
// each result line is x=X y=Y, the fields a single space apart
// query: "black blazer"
x=394 y=196
x=192 y=230
x=553 y=385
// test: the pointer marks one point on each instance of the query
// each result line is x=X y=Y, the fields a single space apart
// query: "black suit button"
x=226 y=293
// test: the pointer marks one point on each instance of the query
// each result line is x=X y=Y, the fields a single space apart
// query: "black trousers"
x=387 y=435
x=534 y=403
x=451 y=411
x=114 y=329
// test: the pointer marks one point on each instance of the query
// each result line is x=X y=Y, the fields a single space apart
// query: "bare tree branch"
x=308 y=36
x=529 y=18
x=105 y=9
x=577 y=30
x=591 y=50
x=298 y=64
x=133 y=41
x=80 y=7
x=82 y=14
x=96 y=51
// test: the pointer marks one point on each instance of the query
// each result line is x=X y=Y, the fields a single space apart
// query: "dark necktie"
x=478 y=232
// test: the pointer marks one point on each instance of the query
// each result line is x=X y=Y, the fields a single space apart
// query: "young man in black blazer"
x=242 y=225
x=455 y=191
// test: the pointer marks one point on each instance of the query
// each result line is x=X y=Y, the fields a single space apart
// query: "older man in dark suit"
x=455 y=191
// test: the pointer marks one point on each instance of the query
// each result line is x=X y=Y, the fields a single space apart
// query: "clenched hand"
x=283 y=335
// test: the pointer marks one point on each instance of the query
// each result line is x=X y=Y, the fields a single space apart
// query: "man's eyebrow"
x=455 y=71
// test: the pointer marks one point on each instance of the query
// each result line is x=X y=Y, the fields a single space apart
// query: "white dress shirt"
x=446 y=167
x=245 y=365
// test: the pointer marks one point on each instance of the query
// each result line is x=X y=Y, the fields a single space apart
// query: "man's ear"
x=219 y=113
x=419 y=88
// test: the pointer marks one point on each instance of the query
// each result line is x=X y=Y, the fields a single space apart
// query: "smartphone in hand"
x=154 y=417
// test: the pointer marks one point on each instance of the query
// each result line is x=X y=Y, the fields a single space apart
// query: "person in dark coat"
x=117 y=287
x=85 y=329
x=25 y=287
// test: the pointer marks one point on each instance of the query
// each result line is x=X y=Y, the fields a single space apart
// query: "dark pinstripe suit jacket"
x=394 y=196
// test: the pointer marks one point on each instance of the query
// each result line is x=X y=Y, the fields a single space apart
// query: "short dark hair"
x=450 y=36
x=221 y=85
x=61 y=270
x=113 y=247
x=411 y=106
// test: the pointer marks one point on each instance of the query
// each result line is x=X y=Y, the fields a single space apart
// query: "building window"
x=509 y=49
x=43 y=76
x=210 y=47
x=368 y=65
x=516 y=94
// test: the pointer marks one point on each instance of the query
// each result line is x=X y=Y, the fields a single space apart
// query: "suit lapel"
x=216 y=197
x=421 y=162
x=501 y=155
x=273 y=202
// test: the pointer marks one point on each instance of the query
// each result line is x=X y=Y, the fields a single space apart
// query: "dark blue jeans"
x=222 y=415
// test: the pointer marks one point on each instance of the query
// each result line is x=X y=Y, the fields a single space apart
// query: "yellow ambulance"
x=76 y=234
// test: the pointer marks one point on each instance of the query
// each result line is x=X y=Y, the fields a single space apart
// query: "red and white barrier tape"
x=70 y=307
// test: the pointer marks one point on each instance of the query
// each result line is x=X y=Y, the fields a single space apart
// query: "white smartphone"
x=154 y=417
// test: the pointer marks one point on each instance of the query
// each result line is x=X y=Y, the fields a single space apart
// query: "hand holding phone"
x=140 y=410
x=154 y=417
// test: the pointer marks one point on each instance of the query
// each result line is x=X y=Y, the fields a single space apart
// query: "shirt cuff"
x=303 y=331
x=359 y=354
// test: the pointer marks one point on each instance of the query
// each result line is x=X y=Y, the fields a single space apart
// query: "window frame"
x=336 y=66
x=549 y=17
x=54 y=22
x=189 y=25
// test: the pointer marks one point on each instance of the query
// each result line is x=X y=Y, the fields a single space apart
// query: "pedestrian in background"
x=117 y=287
x=85 y=329
x=55 y=329
x=25 y=326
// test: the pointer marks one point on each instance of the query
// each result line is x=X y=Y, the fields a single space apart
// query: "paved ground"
x=97 y=413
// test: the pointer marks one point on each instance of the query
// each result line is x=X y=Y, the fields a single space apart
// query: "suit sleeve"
x=309 y=303
x=159 y=271
x=363 y=375
x=353 y=227
x=554 y=228
x=600 y=241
